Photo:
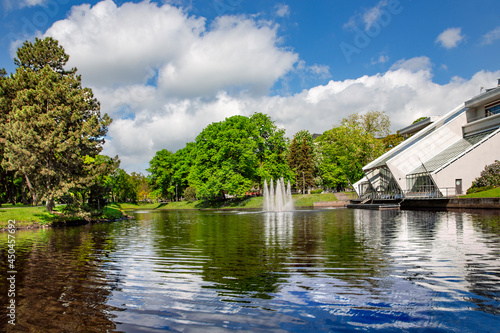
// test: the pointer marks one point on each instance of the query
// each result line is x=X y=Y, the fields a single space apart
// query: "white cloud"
x=491 y=36
x=382 y=59
x=282 y=10
x=11 y=4
x=450 y=38
x=237 y=52
x=372 y=15
x=405 y=92
x=163 y=76
x=414 y=64
x=129 y=44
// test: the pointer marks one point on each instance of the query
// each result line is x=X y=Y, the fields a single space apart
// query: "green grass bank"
x=33 y=217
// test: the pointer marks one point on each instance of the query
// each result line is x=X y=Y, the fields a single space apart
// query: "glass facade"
x=421 y=185
x=491 y=110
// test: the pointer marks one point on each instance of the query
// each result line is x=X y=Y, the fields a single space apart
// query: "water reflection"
x=317 y=270
x=60 y=285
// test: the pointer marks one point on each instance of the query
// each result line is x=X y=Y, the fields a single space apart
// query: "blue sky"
x=164 y=70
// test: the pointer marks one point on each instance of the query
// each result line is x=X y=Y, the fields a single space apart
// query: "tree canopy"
x=51 y=122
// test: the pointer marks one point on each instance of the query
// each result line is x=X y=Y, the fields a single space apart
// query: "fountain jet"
x=279 y=198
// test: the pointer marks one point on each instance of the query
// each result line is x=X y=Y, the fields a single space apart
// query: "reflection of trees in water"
x=60 y=284
x=488 y=221
x=232 y=250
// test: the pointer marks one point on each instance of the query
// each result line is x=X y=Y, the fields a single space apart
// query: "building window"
x=493 y=109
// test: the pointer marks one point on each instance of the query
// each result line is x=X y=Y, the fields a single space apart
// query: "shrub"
x=190 y=194
x=490 y=177
x=317 y=191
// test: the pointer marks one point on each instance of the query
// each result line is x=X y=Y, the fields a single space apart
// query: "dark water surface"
x=333 y=270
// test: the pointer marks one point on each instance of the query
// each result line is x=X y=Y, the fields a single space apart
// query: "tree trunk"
x=31 y=189
x=50 y=204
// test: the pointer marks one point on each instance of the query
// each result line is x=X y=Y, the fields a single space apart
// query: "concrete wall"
x=469 y=166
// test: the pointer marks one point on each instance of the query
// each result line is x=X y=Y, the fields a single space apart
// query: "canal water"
x=334 y=270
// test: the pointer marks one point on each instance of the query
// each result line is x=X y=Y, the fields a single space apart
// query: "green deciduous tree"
x=225 y=161
x=301 y=160
x=375 y=123
x=271 y=149
x=52 y=124
x=161 y=174
x=345 y=150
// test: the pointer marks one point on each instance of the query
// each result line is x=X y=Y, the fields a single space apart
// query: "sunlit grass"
x=308 y=200
x=493 y=193
x=24 y=215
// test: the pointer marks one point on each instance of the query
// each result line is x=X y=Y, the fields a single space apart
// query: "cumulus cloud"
x=137 y=42
x=450 y=38
x=163 y=76
x=491 y=36
x=405 y=92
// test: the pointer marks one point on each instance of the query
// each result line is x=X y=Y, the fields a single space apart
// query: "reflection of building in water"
x=442 y=252
x=278 y=228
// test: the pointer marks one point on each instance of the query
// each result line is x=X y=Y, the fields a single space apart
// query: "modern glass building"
x=441 y=155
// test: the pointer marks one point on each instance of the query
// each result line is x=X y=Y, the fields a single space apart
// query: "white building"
x=444 y=155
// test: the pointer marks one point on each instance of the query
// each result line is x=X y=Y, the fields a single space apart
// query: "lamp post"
x=303 y=184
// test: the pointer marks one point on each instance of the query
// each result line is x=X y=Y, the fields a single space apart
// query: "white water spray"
x=279 y=198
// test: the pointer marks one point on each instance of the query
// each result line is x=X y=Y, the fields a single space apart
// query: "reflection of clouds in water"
x=443 y=252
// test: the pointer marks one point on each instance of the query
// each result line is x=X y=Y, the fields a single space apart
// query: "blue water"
x=335 y=270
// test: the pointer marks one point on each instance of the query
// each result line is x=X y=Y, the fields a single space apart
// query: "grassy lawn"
x=307 y=200
x=24 y=216
x=28 y=215
x=493 y=193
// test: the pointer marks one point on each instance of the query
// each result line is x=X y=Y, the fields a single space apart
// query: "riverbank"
x=28 y=217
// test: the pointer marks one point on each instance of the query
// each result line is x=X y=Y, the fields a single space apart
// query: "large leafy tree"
x=301 y=160
x=344 y=151
x=225 y=161
x=271 y=150
x=376 y=123
x=181 y=165
x=161 y=174
x=52 y=123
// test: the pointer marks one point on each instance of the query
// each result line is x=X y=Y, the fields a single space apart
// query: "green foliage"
x=318 y=191
x=271 y=149
x=125 y=187
x=489 y=178
x=484 y=192
x=391 y=141
x=344 y=151
x=225 y=161
x=472 y=190
x=375 y=123
x=301 y=160
x=190 y=194
x=418 y=120
x=51 y=124
x=161 y=173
